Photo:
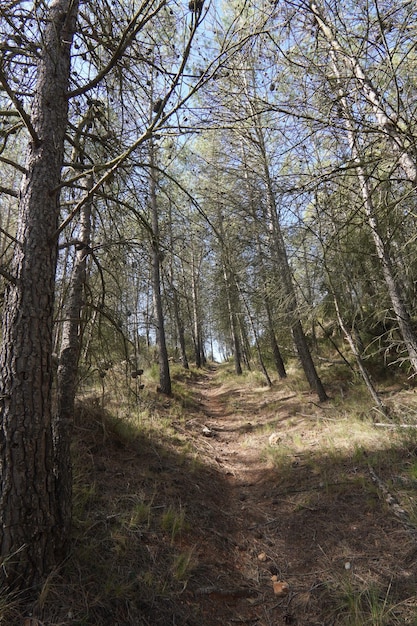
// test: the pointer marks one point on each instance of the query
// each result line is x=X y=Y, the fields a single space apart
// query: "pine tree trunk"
x=284 y=271
x=180 y=329
x=67 y=376
x=197 y=337
x=357 y=354
x=395 y=291
x=276 y=353
x=234 y=334
x=255 y=336
x=28 y=501
x=164 y=373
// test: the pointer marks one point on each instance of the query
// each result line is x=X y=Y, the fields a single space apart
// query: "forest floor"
x=241 y=504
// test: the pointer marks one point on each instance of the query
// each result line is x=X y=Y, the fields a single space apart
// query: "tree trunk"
x=197 y=338
x=357 y=354
x=176 y=297
x=67 y=375
x=394 y=289
x=387 y=121
x=276 y=353
x=180 y=329
x=164 y=373
x=234 y=333
x=255 y=336
x=278 y=362
x=245 y=350
x=283 y=268
x=28 y=501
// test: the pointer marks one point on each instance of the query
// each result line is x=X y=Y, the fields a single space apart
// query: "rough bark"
x=28 y=501
x=164 y=372
x=67 y=377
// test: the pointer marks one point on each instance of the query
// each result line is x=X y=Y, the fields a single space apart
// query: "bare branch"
x=130 y=33
x=7 y=275
x=19 y=107
x=8 y=235
x=8 y=113
x=9 y=192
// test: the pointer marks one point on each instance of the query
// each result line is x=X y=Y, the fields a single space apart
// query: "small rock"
x=262 y=557
x=206 y=432
x=274 y=439
x=280 y=587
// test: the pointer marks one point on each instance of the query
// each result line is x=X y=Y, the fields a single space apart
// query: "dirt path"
x=186 y=520
x=310 y=520
x=233 y=428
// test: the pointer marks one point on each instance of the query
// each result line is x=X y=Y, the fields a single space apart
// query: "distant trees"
x=347 y=70
x=318 y=126
x=57 y=64
x=157 y=254
x=253 y=150
x=245 y=188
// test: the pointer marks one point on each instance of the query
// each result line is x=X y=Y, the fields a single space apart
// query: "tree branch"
x=19 y=107
x=19 y=167
x=9 y=192
x=127 y=37
x=7 y=276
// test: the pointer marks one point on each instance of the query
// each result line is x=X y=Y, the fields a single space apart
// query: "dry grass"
x=168 y=524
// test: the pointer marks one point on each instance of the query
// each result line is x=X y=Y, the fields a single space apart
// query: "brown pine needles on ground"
x=173 y=525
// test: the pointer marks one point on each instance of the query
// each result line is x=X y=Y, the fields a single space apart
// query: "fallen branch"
x=401 y=514
x=382 y=425
x=238 y=592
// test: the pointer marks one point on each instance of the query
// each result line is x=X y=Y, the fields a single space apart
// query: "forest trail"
x=238 y=504
x=307 y=515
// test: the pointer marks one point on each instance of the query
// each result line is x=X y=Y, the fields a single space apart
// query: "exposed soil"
x=315 y=522
x=250 y=489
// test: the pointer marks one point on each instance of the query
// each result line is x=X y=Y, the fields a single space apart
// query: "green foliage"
x=291 y=160
x=173 y=521
x=371 y=606
x=183 y=565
